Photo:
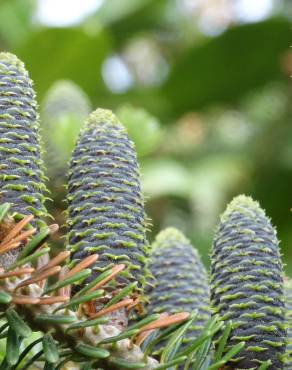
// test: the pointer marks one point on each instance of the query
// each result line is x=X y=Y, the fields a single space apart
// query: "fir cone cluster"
x=108 y=256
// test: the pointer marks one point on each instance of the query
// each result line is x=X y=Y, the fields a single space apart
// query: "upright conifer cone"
x=180 y=280
x=247 y=283
x=21 y=167
x=64 y=110
x=65 y=98
x=105 y=205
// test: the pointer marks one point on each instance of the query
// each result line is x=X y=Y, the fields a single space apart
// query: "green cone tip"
x=170 y=234
x=242 y=204
x=100 y=116
x=62 y=99
x=11 y=59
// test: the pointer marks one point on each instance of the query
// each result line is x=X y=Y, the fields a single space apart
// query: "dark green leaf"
x=123 y=293
x=123 y=364
x=94 y=282
x=88 y=323
x=123 y=335
x=80 y=299
x=17 y=324
x=73 y=279
x=34 y=243
x=171 y=363
x=224 y=68
x=223 y=341
x=55 y=319
x=4 y=208
x=92 y=352
x=28 y=259
x=79 y=55
x=5 y=298
x=12 y=347
x=50 y=349
x=27 y=349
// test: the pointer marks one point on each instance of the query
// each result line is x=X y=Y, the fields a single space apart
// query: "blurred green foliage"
x=224 y=68
x=210 y=113
x=69 y=53
x=137 y=121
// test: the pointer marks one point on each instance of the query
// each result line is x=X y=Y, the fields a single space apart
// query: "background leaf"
x=224 y=68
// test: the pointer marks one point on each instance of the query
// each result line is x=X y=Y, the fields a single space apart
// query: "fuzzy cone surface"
x=180 y=281
x=247 y=283
x=105 y=205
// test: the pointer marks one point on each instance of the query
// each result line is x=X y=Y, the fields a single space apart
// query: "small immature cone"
x=180 y=279
x=105 y=205
x=21 y=167
x=64 y=110
x=65 y=98
x=247 y=284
